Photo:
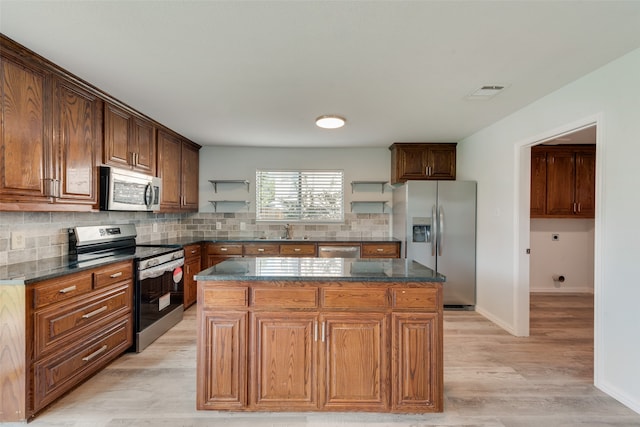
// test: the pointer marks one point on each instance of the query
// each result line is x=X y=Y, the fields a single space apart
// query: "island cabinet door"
x=222 y=358
x=283 y=369
x=354 y=362
x=416 y=363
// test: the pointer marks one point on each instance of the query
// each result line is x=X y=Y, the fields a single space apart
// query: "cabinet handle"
x=296 y=249
x=315 y=330
x=323 y=326
x=194 y=251
x=135 y=158
x=260 y=249
x=579 y=207
x=67 y=290
x=94 y=312
x=114 y=275
x=223 y=249
x=95 y=354
x=380 y=250
x=574 y=208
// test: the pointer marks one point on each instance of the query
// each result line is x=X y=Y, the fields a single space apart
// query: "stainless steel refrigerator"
x=436 y=222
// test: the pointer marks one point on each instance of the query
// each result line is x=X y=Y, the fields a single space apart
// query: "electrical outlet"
x=555 y=237
x=218 y=225
x=17 y=240
x=154 y=227
x=243 y=226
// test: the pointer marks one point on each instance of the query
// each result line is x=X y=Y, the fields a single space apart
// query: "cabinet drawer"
x=55 y=290
x=112 y=274
x=284 y=298
x=305 y=249
x=57 y=324
x=224 y=249
x=252 y=249
x=422 y=298
x=192 y=251
x=58 y=373
x=227 y=298
x=354 y=298
x=380 y=250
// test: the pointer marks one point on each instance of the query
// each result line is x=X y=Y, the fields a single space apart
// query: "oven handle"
x=159 y=270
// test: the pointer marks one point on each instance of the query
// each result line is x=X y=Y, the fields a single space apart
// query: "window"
x=299 y=195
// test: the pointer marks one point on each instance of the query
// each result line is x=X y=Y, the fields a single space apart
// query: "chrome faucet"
x=287 y=232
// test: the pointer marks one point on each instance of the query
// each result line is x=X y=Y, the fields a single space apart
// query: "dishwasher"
x=338 y=251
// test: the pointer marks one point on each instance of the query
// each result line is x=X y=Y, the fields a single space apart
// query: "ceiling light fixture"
x=330 y=122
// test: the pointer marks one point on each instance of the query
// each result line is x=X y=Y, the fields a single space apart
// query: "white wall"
x=359 y=164
x=570 y=256
x=609 y=97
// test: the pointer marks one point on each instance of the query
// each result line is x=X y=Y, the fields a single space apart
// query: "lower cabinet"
x=312 y=347
x=76 y=325
x=192 y=261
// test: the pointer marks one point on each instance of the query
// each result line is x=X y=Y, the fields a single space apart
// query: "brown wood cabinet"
x=76 y=325
x=129 y=140
x=178 y=163
x=192 y=265
x=422 y=161
x=50 y=138
x=319 y=346
x=563 y=181
x=215 y=253
x=380 y=250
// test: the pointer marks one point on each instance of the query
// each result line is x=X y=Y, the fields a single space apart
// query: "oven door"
x=158 y=292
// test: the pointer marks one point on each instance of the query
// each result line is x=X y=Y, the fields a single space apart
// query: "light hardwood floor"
x=492 y=379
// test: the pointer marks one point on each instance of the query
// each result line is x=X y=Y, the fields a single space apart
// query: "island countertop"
x=310 y=269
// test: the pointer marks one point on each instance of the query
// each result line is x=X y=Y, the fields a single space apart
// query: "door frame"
x=522 y=226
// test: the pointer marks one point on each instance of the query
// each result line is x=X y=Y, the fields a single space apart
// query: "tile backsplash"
x=46 y=236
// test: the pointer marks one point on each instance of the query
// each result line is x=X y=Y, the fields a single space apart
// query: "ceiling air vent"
x=486 y=92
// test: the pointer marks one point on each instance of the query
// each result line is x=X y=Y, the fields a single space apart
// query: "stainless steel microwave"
x=123 y=190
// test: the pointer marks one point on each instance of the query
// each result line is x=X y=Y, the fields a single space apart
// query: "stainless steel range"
x=158 y=287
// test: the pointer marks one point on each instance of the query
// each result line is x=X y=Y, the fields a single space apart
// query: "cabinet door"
x=25 y=140
x=412 y=162
x=117 y=134
x=222 y=359
x=190 y=177
x=585 y=191
x=560 y=182
x=169 y=161
x=416 y=363
x=78 y=127
x=284 y=365
x=441 y=162
x=144 y=146
x=538 y=182
x=354 y=363
x=191 y=267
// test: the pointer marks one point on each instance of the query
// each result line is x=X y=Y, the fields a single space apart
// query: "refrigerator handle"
x=434 y=231
x=440 y=230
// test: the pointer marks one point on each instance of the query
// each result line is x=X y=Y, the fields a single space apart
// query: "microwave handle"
x=148 y=195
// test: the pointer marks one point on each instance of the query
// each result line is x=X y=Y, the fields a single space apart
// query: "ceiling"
x=257 y=73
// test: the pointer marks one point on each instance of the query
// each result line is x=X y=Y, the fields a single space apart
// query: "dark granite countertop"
x=311 y=269
x=49 y=268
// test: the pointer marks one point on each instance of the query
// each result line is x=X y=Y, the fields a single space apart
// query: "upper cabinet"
x=178 y=161
x=57 y=129
x=563 y=181
x=129 y=140
x=422 y=161
x=50 y=139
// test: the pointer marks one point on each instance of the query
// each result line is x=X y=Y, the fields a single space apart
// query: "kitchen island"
x=320 y=334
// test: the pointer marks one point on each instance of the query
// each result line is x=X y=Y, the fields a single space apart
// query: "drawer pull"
x=114 y=275
x=223 y=249
x=260 y=249
x=95 y=354
x=193 y=251
x=67 y=290
x=94 y=312
x=380 y=250
x=297 y=249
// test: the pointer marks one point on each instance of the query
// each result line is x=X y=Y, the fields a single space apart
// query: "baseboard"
x=497 y=321
x=564 y=290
